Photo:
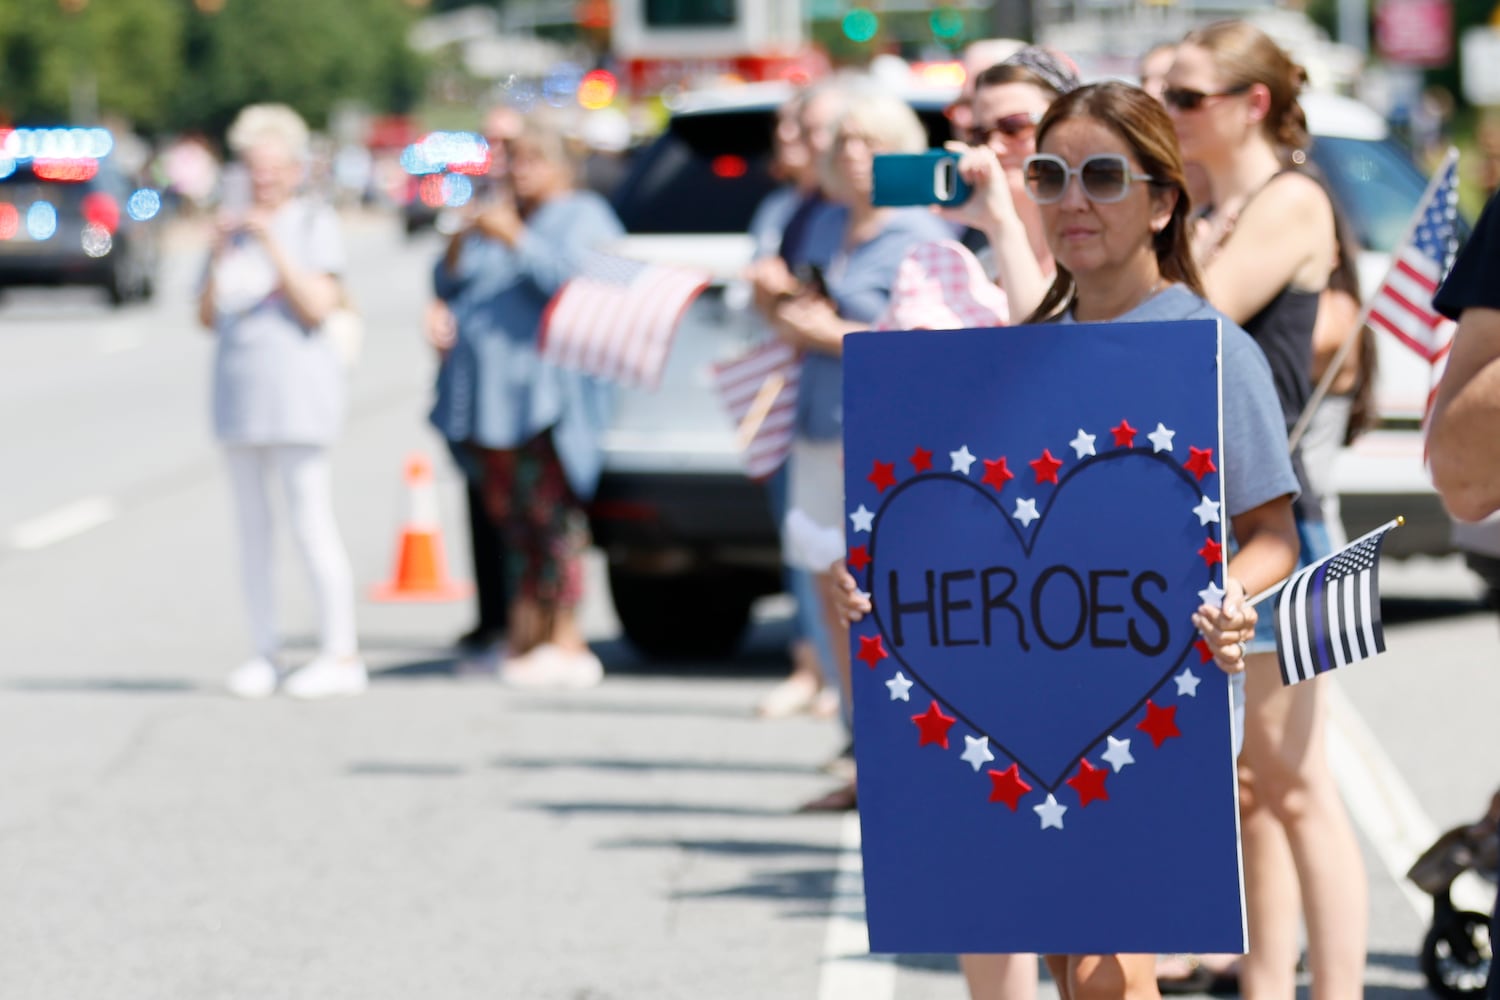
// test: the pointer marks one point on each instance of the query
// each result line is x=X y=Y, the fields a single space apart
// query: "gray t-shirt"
x=276 y=382
x=1257 y=465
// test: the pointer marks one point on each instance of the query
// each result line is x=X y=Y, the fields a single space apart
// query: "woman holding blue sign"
x=1267 y=245
x=1109 y=183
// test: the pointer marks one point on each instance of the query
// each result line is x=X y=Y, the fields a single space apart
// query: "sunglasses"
x=1011 y=126
x=1106 y=177
x=1187 y=99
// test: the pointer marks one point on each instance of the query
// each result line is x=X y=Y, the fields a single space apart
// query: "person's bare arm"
x=1284 y=232
x=1338 y=311
x=1463 y=438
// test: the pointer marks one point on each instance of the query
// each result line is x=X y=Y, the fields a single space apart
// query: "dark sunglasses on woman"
x=1015 y=126
x=1188 y=99
x=1106 y=177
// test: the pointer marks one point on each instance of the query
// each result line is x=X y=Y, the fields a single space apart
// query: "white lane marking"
x=1387 y=810
x=850 y=972
x=62 y=523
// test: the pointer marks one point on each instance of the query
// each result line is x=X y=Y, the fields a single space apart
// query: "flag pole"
x=760 y=408
x=1352 y=337
x=1274 y=588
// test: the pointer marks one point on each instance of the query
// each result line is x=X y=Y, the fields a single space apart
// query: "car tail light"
x=101 y=210
x=729 y=166
x=10 y=221
x=623 y=510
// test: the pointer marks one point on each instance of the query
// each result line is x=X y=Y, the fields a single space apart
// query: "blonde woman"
x=278 y=395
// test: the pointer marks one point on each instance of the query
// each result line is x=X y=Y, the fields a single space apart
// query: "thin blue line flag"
x=1328 y=614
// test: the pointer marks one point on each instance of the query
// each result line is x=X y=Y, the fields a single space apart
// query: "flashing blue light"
x=41 y=220
x=457 y=190
x=7 y=165
x=143 y=204
x=59 y=143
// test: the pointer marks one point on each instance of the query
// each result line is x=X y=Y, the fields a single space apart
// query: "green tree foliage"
x=113 y=56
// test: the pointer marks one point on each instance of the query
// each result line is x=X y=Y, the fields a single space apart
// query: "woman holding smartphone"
x=1110 y=187
x=278 y=395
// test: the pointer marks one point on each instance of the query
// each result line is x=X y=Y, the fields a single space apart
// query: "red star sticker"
x=1089 y=783
x=1006 y=786
x=858 y=558
x=934 y=726
x=921 y=460
x=996 y=473
x=1160 y=723
x=1124 y=435
x=1211 y=552
x=1200 y=462
x=883 y=475
x=871 y=650
x=1204 y=652
x=1046 y=467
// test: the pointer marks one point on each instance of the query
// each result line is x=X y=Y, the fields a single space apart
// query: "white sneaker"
x=253 y=679
x=328 y=677
x=550 y=666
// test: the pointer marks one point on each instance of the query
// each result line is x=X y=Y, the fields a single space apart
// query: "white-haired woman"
x=863 y=247
x=278 y=395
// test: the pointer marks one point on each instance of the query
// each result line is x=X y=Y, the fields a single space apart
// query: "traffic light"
x=860 y=25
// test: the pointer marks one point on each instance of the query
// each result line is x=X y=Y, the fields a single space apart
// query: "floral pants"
x=543 y=524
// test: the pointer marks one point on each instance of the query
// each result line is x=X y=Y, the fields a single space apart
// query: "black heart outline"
x=993 y=496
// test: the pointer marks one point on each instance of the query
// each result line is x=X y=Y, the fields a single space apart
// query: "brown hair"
x=1246 y=55
x=1363 y=415
x=1139 y=119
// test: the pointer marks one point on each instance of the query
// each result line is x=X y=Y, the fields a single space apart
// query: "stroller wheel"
x=1456 y=955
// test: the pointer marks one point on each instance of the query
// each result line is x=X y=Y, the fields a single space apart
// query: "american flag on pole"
x=759 y=389
x=616 y=319
x=1402 y=305
x=1328 y=614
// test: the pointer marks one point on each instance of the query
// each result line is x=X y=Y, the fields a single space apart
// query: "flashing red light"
x=474 y=168
x=65 y=169
x=430 y=190
x=102 y=210
x=10 y=221
x=729 y=166
x=597 y=89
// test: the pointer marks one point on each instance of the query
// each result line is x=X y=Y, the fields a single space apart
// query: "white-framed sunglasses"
x=1105 y=177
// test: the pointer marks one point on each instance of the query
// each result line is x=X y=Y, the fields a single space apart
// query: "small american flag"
x=616 y=319
x=1328 y=614
x=1402 y=305
x=747 y=381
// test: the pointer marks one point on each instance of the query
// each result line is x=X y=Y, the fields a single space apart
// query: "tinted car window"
x=708 y=171
x=1375 y=183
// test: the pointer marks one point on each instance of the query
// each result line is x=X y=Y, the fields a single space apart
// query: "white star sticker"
x=1118 y=753
x=1207 y=510
x=1212 y=595
x=1083 y=444
x=900 y=687
x=977 y=751
x=1051 y=812
x=962 y=459
x=1025 y=511
x=862 y=518
x=1161 y=438
x=1187 y=682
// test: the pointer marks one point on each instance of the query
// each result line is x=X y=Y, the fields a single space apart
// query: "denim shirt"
x=494 y=390
x=859 y=280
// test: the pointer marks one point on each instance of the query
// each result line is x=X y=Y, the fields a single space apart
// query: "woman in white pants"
x=278 y=395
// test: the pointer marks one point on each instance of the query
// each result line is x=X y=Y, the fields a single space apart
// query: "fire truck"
x=662 y=44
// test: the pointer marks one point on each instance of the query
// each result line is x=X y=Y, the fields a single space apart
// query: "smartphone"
x=929 y=178
x=810 y=276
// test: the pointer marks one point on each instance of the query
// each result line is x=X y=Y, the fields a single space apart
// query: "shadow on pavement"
x=104 y=685
x=652 y=809
x=725 y=848
x=814 y=885
x=648 y=766
x=1401 y=610
x=404 y=769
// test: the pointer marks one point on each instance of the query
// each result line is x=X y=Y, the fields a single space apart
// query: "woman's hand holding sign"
x=1228 y=628
x=851 y=603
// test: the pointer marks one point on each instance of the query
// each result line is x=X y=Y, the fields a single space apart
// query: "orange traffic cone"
x=421 y=572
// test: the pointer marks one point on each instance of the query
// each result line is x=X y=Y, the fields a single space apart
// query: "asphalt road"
x=440 y=836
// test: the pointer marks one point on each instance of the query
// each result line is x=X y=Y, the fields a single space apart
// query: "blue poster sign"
x=1043 y=743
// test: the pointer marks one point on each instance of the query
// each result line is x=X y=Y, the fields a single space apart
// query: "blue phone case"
x=929 y=178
